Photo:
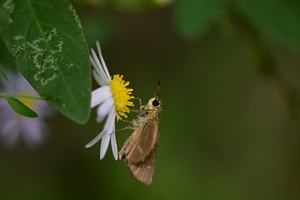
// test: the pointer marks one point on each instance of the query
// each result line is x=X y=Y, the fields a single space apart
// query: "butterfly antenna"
x=158 y=85
x=146 y=82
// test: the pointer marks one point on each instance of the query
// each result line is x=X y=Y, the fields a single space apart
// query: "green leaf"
x=20 y=108
x=278 y=18
x=47 y=40
x=194 y=18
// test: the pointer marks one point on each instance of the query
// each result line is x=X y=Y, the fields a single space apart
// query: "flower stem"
x=23 y=96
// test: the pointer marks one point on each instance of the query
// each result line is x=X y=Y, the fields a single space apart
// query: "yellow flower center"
x=121 y=95
x=28 y=102
x=31 y=103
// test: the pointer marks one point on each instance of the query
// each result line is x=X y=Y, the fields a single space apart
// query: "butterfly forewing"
x=144 y=171
x=142 y=142
x=122 y=153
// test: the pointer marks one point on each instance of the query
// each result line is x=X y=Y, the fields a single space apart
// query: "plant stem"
x=23 y=96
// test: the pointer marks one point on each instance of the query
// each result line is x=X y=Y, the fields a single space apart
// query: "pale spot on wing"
x=140 y=149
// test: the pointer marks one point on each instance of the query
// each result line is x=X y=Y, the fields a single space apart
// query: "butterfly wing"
x=144 y=171
x=142 y=142
x=122 y=153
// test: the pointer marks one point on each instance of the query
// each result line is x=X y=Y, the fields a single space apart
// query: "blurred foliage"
x=51 y=52
x=131 y=6
x=6 y=59
x=224 y=132
x=2 y=72
x=97 y=26
x=194 y=18
x=20 y=107
x=277 y=18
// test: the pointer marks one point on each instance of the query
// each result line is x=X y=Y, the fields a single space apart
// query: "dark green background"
x=225 y=132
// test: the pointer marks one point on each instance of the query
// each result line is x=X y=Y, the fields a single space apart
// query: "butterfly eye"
x=155 y=103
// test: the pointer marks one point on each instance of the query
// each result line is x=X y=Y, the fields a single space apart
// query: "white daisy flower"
x=14 y=127
x=113 y=98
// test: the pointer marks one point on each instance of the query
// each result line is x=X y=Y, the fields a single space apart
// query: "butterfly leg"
x=122 y=129
x=127 y=121
x=140 y=100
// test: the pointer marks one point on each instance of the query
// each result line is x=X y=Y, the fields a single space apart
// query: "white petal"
x=104 y=145
x=99 y=118
x=109 y=122
x=110 y=118
x=96 y=139
x=98 y=67
x=104 y=108
x=114 y=144
x=100 y=95
x=105 y=140
x=98 y=79
x=102 y=60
